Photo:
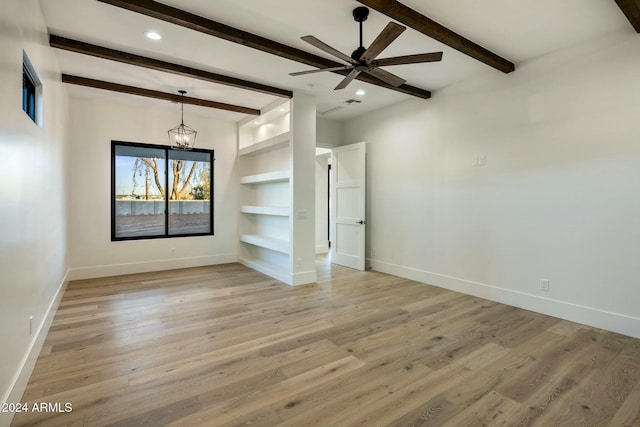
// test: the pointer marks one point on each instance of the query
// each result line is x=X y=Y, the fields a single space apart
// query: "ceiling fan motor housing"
x=357 y=54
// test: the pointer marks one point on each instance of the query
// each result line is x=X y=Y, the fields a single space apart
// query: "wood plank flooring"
x=225 y=345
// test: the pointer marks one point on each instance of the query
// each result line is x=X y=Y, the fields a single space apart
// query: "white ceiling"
x=517 y=30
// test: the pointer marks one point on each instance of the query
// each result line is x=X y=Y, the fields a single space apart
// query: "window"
x=159 y=192
x=28 y=94
x=31 y=91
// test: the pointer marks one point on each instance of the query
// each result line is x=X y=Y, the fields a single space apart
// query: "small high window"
x=31 y=91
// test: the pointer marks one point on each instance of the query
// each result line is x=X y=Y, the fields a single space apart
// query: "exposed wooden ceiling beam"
x=132 y=90
x=198 y=23
x=631 y=9
x=155 y=64
x=404 y=14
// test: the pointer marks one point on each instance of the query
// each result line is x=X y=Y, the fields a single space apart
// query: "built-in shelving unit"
x=267 y=226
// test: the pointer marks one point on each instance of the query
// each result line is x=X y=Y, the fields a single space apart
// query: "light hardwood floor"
x=226 y=345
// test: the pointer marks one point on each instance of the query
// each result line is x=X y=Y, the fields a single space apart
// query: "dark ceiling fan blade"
x=386 y=77
x=409 y=59
x=302 y=73
x=344 y=83
x=384 y=39
x=327 y=49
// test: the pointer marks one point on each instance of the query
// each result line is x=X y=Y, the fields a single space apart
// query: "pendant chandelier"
x=182 y=137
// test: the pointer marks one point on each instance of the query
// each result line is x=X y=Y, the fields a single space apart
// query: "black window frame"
x=31 y=91
x=167 y=150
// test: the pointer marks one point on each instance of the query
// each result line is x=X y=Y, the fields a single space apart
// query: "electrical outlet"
x=544 y=285
x=299 y=263
x=172 y=251
x=374 y=252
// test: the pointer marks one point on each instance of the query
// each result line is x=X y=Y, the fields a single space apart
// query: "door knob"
x=360 y=222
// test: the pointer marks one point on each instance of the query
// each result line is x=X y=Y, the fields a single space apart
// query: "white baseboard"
x=615 y=322
x=98 y=271
x=303 y=278
x=291 y=279
x=21 y=379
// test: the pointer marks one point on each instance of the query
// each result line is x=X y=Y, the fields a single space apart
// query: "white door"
x=348 y=180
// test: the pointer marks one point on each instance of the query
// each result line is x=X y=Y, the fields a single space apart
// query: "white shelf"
x=275 y=143
x=265 y=178
x=265 y=210
x=277 y=245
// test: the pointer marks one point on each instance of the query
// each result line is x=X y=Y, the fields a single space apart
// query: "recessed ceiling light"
x=152 y=35
x=360 y=92
x=282 y=110
x=256 y=122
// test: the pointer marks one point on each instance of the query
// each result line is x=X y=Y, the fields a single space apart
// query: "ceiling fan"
x=363 y=60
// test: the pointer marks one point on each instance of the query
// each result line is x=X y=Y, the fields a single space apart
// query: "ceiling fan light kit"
x=363 y=60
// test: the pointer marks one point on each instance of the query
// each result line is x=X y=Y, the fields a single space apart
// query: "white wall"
x=32 y=196
x=328 y=133
x=559 y=197
x=94 y=123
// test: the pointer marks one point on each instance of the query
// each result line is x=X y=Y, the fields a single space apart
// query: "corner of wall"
x=21 y=379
